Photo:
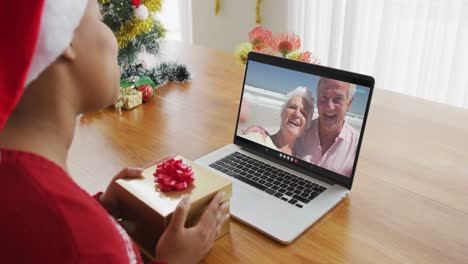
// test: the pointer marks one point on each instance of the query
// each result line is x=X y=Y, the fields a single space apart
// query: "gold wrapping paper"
x=147 y=211
x=129 y=98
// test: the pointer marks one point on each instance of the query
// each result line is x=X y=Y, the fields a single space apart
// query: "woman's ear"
x=69 y=54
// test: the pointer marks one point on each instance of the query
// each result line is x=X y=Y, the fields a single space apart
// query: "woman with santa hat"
x=58 y=60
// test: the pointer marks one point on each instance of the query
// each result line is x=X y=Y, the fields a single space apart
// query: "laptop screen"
x=304 y=118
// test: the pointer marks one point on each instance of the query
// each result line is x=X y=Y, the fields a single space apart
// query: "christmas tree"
x=137 y=29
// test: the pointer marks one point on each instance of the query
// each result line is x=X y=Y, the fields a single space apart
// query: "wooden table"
x=409 y=203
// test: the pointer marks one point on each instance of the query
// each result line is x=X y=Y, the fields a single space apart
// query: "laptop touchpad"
x=243 y=200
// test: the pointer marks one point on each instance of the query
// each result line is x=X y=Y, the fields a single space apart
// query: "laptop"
x=296 y=144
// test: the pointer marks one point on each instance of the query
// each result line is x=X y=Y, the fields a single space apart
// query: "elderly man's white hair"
x=307 y=96
x=351 y=90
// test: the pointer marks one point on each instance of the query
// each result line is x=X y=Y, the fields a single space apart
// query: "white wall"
x=234 y=21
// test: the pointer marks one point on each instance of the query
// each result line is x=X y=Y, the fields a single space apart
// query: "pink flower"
x=259 y=37
x=267 y=50
x=314 y=60
x=304 y=56
x=285 y=43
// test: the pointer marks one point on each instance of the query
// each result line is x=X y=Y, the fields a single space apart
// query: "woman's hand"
x=189 y=245
x=109 y=198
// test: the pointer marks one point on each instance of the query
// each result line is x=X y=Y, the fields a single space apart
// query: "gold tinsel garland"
x=258 y=19
x=132 y=29
x=152 y=5
x=135 y=27
x=216 y=7
x=258 y=15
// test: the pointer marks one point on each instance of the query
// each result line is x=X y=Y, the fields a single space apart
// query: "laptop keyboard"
x=278 y=183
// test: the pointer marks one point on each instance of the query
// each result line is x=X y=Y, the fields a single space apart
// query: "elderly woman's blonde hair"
x=306 y=94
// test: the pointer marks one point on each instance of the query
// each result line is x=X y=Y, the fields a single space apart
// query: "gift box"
x=129 y=98
x=137 y=81
x=147 y=210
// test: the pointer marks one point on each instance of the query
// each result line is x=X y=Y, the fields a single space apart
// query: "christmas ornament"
x=142 y=12
x=147 y=91
x=136 y=27
x=173 y=175
x=137 y=81
x=133 y=27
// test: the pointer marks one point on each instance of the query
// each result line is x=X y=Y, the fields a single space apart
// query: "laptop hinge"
x=287 y=165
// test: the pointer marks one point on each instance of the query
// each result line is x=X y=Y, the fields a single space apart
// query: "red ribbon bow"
x=173 y=175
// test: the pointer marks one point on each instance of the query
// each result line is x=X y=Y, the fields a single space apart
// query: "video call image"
x=315 y=119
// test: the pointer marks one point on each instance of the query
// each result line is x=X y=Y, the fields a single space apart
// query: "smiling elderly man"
x=330 y=142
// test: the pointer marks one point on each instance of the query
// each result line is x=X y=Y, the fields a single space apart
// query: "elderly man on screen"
x=330 y=141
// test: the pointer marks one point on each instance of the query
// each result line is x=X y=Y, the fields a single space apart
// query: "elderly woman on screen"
x=296 y=115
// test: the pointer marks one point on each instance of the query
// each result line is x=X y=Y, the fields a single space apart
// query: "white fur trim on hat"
x=59 y=20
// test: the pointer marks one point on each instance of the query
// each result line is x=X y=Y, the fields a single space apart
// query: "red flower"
x=259 y=37
x=173 y=175
x=285 y=43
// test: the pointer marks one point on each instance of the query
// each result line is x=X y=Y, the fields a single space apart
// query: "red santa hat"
x=34 y=34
